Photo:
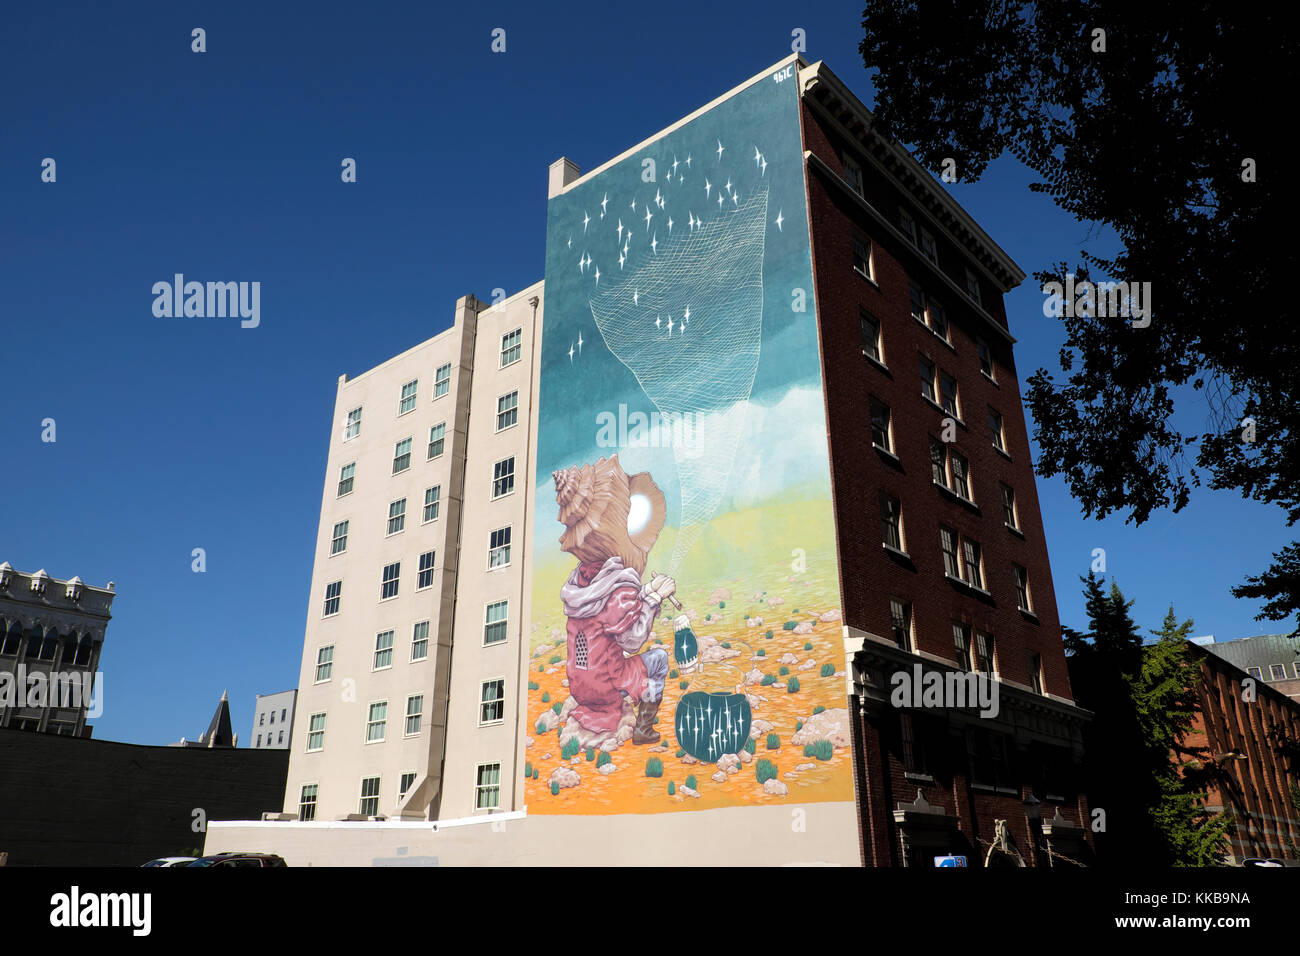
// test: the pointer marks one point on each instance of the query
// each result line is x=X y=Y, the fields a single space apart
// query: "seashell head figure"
x=606 y=513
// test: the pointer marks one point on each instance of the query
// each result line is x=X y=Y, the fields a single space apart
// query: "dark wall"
x=66 y=801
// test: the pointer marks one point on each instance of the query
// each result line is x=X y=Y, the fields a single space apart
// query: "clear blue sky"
x=175 y=434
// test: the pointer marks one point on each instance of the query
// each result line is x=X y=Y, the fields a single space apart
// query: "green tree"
x=1150 y=123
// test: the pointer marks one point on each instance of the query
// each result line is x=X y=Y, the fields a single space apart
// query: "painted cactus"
x=711 y=725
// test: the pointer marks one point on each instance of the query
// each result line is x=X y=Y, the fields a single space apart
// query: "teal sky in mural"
x=692 y=323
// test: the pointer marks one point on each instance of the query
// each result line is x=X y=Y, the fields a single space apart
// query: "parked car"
x=170 y=861
x=232 y=858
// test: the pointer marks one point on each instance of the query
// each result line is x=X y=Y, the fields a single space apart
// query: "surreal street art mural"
x=686 y=648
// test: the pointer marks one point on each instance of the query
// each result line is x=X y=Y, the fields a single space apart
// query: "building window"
x=881 y=434
x=377 y=722
x=354 y=425
x=369 y=796
x=871 y=336
x=414 y=711
x=272 y=720
x=1036 y=673
x=995 y=431
x=503 y=477
x=495 y=621
x=917 y=298
x=49 y=648
x=259 y=741
x=436 y=435
x=929 y=248
x=511 y=347
x=487 y=790
x=1255 y=672
x=862 y=256
x=950 y=469
x=307 y=802
x=388 y=585
x=420 y=641
x=853 y=173
x=927 y=378
x=973 y=573
x=383 y=650
x=948 y=395
x=316 y=733
x=913 y=749
x=908 y=225
x=11 y=642
x=1296 y=668
x=951 y=562
x=960 y=475
x=407 y=781
x=938 y=462
x=339 y=539
x=938 y=320
x=402 y=455
x=891 y=522
x=984 y=652
x=409 y=392
x=396 y=515
x=499 y=548
x=986 y=358
x=493 y=702
x=1022 y=588
x=507 y=410
x=900 y=621
x=1276 y=672
x=283 y=711
x=345 y=479
x=424 y=578
x=324 y=663
x=333 y=597
x=431 y=501
x=1009 y=507
x=85 y=647
x=973 y=287
x=961 y=643
x=442 y=381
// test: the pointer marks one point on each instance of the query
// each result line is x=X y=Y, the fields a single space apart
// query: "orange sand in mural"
x=735 y=652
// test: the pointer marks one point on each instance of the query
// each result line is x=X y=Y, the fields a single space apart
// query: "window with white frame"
x=503 y=477
x=511 y=347
x=316 y=733
x=1009 y=507
x=973 y=286
x=409 y=392
x=929 y=248
x=986 y=358
x=495 y=622
x=908 y=225
x=442 y=381
x=492 y=706
x=437 y=435
x=499 y=548
x=871 y=345
x=377 y=722
x=852 y=173
x=862 y=256
x=972 y=565
x=420 y=641
x=339 y=538
x=402 y=455
x=1036 y=673
x=369 y=806
x=949 y=469
x=961 y=644
x=891 y=522
x=414 y=712
x=424 y=578
x=917 y=299
x=432 y=498
x=333 y=597
x=353 y=428
x=507 y=410
x=984 y=662
x=995 y=431
x=1255 y=672
x=948 y=395
x=949 y=544
x=407 y=781
x=396 y=515
x=307 y=801
x=383 y=650
x=487 y=788
x=882 y=435
x=388 y=584
x=927 y=379
x=938 y=319
x=346 y=475
x=1276 y=672
x=1023 y=596
x=900 y=622
x=324 y=663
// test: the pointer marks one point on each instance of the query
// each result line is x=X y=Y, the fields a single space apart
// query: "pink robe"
x=609 y=613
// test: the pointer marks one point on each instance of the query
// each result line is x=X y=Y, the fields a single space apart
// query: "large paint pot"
x=710 y=725
x=686 y=649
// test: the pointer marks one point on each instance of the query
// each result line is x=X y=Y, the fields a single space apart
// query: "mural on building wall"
x=686 y=648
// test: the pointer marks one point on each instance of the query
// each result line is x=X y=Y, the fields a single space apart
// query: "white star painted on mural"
x=585 y=219
x=719 y=200
x=670 y=225
x=621 y=259
x=648 y=216
x=674 y=162
x=659 y=200
x=570 y=352
x=758 y=157
x=603 y=203
x=686 y=316
x=654 y=244
x=670 y=325
x=763 y=165
x=688 y=160
x=570 y=242
x=657 y=321
x=728 y=186
x=707 y=186
x=735 y=198
x=780 y=218
x=579 y=343
x=636 y=296
x=720 y=149
x=582 y=263
x=620 y=230
x=634 y=204
x=597 y=275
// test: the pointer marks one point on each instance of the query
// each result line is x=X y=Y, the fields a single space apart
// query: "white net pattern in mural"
x=688 y=323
